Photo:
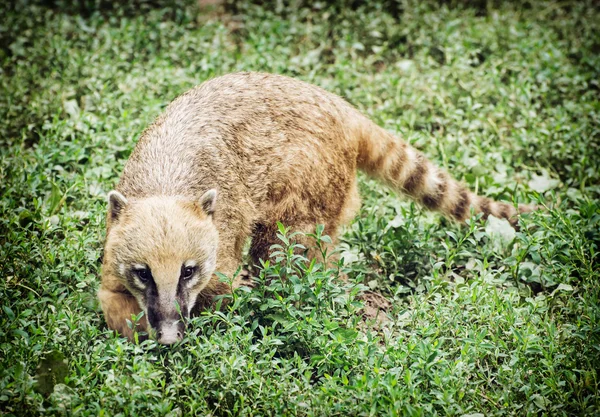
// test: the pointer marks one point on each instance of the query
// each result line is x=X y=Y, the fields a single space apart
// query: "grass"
x=484 y=321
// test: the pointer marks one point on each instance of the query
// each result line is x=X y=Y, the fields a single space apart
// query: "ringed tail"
x=405 y=169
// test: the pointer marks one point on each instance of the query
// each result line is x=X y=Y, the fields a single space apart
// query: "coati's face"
x=164 y=251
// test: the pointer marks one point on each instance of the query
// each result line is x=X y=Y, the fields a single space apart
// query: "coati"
x=228 y=160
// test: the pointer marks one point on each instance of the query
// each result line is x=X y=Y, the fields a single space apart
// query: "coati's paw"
x=244 y=279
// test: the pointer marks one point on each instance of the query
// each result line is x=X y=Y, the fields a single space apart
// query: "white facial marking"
x=137 y=279
x=122 y=269
x=190 y=263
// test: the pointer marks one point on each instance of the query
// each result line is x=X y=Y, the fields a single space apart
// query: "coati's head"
x=164 y=251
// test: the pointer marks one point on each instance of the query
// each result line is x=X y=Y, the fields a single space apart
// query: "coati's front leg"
x=119 y=306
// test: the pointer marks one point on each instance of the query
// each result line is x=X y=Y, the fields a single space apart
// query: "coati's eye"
x=187 y=271
x=143 y=274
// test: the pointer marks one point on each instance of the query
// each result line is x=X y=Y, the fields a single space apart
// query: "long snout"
x=169 y=332
x=167 y=308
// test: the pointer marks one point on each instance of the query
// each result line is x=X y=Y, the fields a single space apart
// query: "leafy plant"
x=484 y=320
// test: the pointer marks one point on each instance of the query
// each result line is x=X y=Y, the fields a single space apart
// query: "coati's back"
x=260 y=136
x=248 y=128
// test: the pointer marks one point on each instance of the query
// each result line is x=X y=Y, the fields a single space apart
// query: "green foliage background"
x=505 y=95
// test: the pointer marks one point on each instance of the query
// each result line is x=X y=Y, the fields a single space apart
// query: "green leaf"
x=501 y=233
x=55 y=198
x=564 y=287
x=542 y=183
x=9 y=312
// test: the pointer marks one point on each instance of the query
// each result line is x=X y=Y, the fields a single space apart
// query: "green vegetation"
x=484 y=320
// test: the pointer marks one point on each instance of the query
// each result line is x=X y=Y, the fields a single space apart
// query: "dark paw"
x=244 y=279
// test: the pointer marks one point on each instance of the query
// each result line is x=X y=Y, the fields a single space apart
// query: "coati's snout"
x=164 y=252
x=167 y=310
x=167 y=331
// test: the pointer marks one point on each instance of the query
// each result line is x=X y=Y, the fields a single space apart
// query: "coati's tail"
x=384 y=156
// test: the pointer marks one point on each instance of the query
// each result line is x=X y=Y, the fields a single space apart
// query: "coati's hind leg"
x=265 y=236
x=119 y=306
x=304 y=218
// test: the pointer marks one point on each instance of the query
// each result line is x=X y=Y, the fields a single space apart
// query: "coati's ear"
x=116 y=204
x=208 y=201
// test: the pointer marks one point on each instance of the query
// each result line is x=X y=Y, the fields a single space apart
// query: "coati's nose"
x=170 y=332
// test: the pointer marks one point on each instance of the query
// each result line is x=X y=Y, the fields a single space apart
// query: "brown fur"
x=275 y=149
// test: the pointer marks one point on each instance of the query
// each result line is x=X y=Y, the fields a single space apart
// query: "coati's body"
x=274 y=149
